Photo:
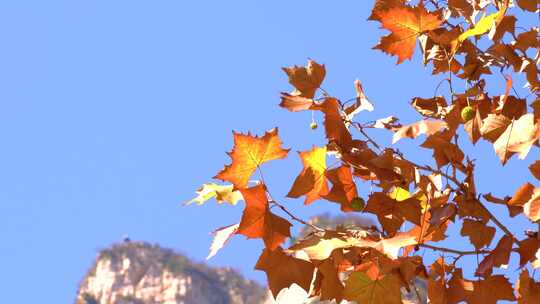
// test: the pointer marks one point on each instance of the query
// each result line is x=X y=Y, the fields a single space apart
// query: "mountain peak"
x=141 y=273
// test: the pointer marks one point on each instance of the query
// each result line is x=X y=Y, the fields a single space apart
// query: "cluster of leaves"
x=465 y=40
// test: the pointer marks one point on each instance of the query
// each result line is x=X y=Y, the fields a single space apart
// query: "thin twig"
x=296 y=218
x=454 y=251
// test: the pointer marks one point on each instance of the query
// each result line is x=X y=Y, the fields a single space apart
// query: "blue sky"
x=113 y=112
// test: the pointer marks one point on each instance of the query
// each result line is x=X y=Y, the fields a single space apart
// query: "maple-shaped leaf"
x=535 y=169
x=444 y=151
x=528 y=250
x=334 y=126
x=330 y=284
x=406 y=24
x=478 y=232
x=392 y=213
x=497 y=258
x=486 y=291
x=258 y=222
x=528 y=289
x=283 y=270
x=384 y=5
x=529 y=5
x=222 y=193
x=343 y=187
x=249 y=152
x=416 y=129
x=311 y=182
x=221 y=237
x=306 y=80
x=378 y=289
x=518 y=137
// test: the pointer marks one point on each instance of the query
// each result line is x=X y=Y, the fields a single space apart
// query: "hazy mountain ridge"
x=141 y=273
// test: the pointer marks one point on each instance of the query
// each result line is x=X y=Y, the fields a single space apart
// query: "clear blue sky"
x=113 y=112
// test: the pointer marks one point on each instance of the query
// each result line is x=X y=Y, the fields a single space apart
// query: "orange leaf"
x=343 y=188
x=295 y=103
x=362 y=288
x=392 y=213
x=258 y=222
x=331 y=286
x=487 y=291
x=527 y=250
x=306 y=80
x=479 y=234
x=406 y=24
x=416 y=129
x=248 y=154
x=528 y=289
x=283 y=270
x=528 y=198
x=497 y=258
x=311 y=182
x=333 y=123
x=535 y=169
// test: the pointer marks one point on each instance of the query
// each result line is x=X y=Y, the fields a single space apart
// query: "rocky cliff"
x=140 y=273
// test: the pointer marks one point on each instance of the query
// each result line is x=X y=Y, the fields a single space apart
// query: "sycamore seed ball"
x=358 y=204
x=467 y=113
x=313 y=125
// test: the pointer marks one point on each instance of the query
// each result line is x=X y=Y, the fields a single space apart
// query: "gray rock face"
x=140 y=273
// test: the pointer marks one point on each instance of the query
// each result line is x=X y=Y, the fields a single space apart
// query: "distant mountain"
x=141 y=273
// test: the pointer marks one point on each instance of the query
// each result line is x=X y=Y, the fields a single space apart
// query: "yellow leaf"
x=483 y=25
x=222 y=193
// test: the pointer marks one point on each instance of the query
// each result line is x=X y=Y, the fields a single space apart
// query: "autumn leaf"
x=311 y=182
x=444 y=151
x=526 y=199
x=283 y=270
x=392 y=213
x=383 y=289
x=258 y=222
x=493 y=126
x=473 y=127
x=528 y=289
x=535 y=169
x=222 y=193
x=320 y=247
x=361 y=104
x=483 y=25
x=343 y=187
x=248 y=154
x=416 y=129
x=486 y=291
x=528 y=250
x=497 y=258
x=478 y=232
x=306 y=80
x=518 y=137
x=295 y=103
x=221 y=237
x=406 y=24
x=331 y=286
x=334 y=126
